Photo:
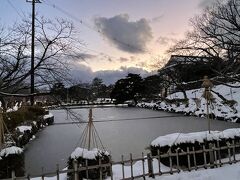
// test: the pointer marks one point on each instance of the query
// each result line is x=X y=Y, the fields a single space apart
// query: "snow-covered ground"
x=197 y=105
x=230 y=172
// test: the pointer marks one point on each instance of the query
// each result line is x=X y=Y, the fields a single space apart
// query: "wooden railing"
x=212 y=158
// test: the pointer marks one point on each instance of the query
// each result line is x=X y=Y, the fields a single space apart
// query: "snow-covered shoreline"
x=196 y=104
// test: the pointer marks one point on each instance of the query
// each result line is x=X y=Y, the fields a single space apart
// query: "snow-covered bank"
x=178 y=138
x=196 y=104
x=47 y=116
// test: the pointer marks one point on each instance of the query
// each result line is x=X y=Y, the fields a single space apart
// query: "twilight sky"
x=134 y=33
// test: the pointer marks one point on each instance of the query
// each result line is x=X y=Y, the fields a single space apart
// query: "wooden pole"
x=90 y=128
x=207 y=94
x=1 y=129
x=75 y=168
x=207 y=84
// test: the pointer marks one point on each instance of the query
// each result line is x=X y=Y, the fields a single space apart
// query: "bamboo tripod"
x=90 y=137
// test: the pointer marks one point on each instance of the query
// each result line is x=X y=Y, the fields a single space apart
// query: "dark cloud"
x=86 y=56
x=84 y=73
x=129 y=36
x=81 y=72
x=111 y=76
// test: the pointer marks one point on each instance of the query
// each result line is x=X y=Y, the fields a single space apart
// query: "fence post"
x=131 y=163
x=188 y=159
x=13 y=175
x=234 y=151
x=123 y=172
x=211 y=155
x=215 y=155
x=159 y=162
x=75 y=168
x=28 y=177
x=143 y=165
x=177 y=157
x=100 y=168
x=219 y=154
x=111 y=173
x=57 y=171
x=170 y=160
x=194 y=158
x=204 y=157
x=150 y=165
x=229 y=152
x=42 y=173
x=86 y=165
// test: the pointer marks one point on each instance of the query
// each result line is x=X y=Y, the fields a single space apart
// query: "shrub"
x=23 y=114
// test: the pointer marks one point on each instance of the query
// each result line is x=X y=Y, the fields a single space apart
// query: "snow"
x=177 y=138
x=14 y=108
x=196 y=104
x=231 y=172
x=10 y=150
x=86 y=154
x=50 y=115
x=24 y=128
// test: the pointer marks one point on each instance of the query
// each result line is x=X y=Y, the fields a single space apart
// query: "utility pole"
x=32 y=47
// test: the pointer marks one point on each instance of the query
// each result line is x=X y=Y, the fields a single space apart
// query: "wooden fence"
x=151 y=166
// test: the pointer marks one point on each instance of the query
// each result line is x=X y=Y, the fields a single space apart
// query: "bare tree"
x=216 y=34
x=54 y=50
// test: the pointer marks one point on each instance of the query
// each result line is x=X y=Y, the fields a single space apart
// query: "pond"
x=54 y=144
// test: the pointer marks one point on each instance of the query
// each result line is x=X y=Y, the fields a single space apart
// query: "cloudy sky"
x=119 y=36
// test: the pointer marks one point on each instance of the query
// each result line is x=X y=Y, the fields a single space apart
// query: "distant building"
x=183 y=60
x=174 y=62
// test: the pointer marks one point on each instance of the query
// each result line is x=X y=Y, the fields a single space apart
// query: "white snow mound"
x=11 y=150
x=50 y=115
x=86 y=154
x=177 y=138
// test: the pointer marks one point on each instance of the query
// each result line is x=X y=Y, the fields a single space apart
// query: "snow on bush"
x=22 y=129
x=10 y=150
x=50 y=115
x=86 y=154
x=197 y=105
x=178 y=138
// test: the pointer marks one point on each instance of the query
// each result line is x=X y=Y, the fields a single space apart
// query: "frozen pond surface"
x=54 y=144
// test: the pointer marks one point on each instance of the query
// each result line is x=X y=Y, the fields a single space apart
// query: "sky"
x=119 y=36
